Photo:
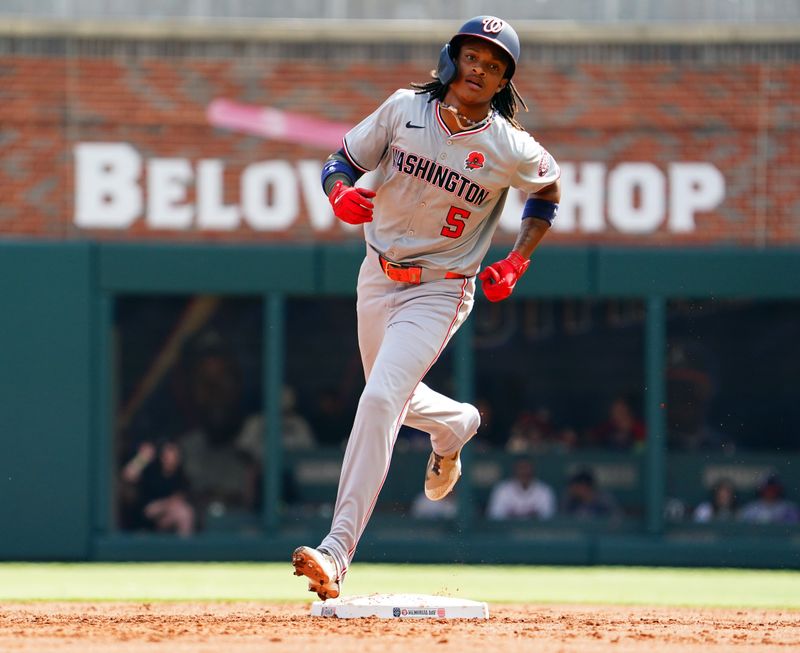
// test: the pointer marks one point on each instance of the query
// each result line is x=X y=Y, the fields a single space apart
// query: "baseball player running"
x=444 y=154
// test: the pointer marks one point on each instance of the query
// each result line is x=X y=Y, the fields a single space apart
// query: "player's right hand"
x=500 y=278
x=351 y=204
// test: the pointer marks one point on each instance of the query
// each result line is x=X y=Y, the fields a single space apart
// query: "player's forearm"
x=531 y=232
x=338 y=168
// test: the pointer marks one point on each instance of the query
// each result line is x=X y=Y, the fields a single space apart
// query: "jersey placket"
x=426 y=201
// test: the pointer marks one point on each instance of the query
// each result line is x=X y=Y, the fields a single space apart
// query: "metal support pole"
x=464 y=371
x=272 y=374
x=655 y=400
x=103 y=414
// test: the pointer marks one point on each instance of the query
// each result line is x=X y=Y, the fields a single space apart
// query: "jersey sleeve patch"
x=537 y=168
x=545 y=163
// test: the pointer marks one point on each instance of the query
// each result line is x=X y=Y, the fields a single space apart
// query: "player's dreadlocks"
x=505 y=102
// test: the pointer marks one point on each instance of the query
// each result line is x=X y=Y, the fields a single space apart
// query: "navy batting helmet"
x=491 y=29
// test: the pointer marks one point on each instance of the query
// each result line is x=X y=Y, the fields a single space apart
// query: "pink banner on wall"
x=275 y=124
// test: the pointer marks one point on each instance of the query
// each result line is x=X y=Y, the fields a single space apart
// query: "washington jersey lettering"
x=438 y=175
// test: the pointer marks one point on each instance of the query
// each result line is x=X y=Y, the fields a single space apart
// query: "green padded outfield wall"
x=45 y=400
x=54 y=373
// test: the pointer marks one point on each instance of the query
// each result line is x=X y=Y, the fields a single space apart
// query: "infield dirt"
x=284 y=628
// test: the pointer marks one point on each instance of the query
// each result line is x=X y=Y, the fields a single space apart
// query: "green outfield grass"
x=497 y=584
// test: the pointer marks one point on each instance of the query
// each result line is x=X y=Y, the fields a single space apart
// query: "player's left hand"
x=500 y=278
x=350 y=204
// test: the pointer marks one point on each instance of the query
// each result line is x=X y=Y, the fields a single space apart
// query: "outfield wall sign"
x=117 y=188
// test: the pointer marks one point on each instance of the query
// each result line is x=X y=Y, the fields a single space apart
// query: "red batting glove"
x=351 y=204
x=500 y=278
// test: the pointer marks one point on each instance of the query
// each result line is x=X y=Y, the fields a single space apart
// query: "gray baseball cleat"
x=320 y=569
x=441 y=475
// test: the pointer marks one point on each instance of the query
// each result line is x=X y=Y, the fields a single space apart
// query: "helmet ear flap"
x=446 y=69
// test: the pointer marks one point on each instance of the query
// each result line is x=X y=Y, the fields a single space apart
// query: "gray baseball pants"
x=402 y=330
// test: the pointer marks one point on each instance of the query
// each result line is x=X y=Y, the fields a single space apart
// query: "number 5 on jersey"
x=455 y=222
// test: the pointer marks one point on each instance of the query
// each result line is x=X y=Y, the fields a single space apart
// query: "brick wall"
x=735 y=109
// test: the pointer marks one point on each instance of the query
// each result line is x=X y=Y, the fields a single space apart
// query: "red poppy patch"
x=474 y=160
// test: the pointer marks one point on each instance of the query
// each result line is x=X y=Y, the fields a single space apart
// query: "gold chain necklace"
x=458 y=116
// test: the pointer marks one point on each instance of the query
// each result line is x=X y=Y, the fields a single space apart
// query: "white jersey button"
x=442 y=156
x=449 y=142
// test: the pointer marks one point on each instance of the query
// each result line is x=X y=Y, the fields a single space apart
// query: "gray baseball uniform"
x=440 y=196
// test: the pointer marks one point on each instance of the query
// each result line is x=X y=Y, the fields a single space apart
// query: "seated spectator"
x=531 y=432
x=691 y=389
x=522 y=496
x=222 y=449
x=622 y=429
x=584 y=500
x=566 y=439
x=771 y=506
x=721 y=505
x=423 y=508
x=155 y=486
x=297 y=433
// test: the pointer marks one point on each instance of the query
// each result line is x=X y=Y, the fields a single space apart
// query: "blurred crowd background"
x=559 y=382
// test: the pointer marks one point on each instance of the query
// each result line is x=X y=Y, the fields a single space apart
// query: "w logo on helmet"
x=474 y=161
x=492 y=25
